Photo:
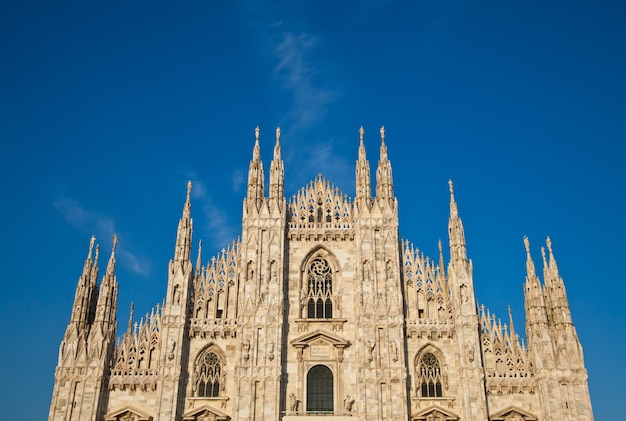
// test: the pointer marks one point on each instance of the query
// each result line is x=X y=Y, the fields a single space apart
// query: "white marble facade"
x=320 y=310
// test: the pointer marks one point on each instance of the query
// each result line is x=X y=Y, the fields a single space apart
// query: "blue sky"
x=106 y=110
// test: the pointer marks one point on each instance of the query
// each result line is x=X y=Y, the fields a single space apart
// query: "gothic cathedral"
x=320 y=310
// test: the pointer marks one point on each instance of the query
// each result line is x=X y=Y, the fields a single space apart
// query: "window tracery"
x=319 y=280
x=429 y=376
x=208 y=375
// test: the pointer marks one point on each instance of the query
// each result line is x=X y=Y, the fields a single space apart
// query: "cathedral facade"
x=320 y=310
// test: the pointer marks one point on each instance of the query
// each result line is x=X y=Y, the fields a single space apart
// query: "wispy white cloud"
x=101 y=226
x=296 y=72
x=238 y=179
x=283 y=34
x=215 y=226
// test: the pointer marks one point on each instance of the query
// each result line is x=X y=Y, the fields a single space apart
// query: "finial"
x=549 y=244
x=114 y=242
x=256 y=133
x=440 y=247
x=277 y=134
x=130 y=318
x=91 y=243
x=361 y=133
x=188 y=188
x=543 y=255
x=451 y=186
x=382 y=133
x=527 y=245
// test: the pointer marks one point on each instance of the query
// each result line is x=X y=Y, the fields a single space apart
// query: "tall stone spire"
x=534 y=301
x=384 y=179
x=277 y=173
x=199 y=259
x=183 y=237
x=456 y=233
x=256 y=190
x=86 y=290
x=107 y=298
x=556 y=296
x=363 y=180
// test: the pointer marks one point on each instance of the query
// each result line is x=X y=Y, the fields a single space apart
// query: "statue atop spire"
x=384 y=179
x=183 y=237
x=256 y=189
x=456 y=231
x=277 y=174
x=363 y=181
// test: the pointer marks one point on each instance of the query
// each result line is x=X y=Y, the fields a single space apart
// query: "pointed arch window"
x=208 y=375
x=319 y=278
x=319 y=390
x=429 y=376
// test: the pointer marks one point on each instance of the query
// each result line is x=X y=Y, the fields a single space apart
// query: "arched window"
x=207 y=377
x=319 y=279
x=319 y=390
x=429 y=376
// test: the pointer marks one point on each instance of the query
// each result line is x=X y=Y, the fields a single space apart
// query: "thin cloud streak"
x=101 y=226
x=216 y=224
x=296 y=73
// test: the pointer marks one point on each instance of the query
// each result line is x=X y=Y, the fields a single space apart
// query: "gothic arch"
x=320 y=390
x=320 y=251
x=430 y=372
x=208 y=378
x=319 y=277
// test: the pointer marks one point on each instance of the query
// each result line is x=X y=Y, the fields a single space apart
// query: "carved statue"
x=170 y=349
x=469 y=349
x=464 y=297
x=246 y=349
x=394 y=351
x=348 y=402
x=293 y=402
x=177 y=295
x=371 y=344
x=271 y=351
x=366 y=271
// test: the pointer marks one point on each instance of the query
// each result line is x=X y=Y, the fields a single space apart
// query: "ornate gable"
x=128 y=413
x=205 y=413
x=512 y=413
x=319 y=344
x=434 y=413
x=320 y=205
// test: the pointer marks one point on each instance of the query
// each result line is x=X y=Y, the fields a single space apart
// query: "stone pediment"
x=307 y=339
x=434 y=413
x=205 y=413
x=512 y=413
x=128 y=413
x=319 y=342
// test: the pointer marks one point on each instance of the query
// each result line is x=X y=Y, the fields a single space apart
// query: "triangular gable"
x=128 y=413
x=435 y=413
x=205 y=413
x=306 y=339
x=509 y=413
